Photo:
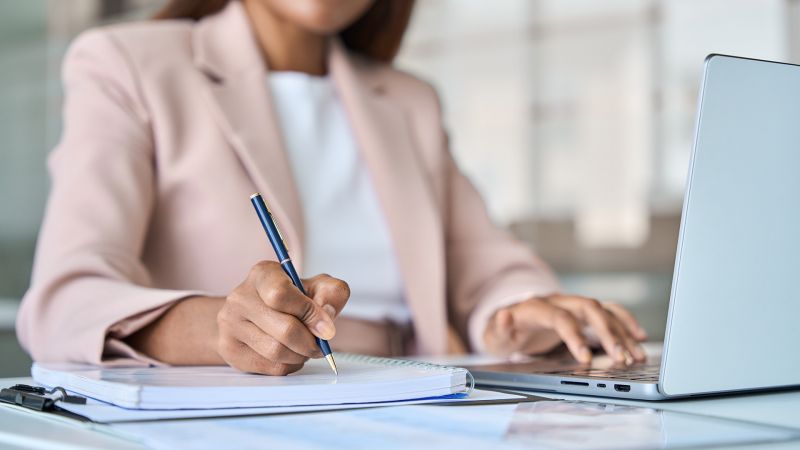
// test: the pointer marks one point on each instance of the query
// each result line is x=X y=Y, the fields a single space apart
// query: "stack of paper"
x=361 y=379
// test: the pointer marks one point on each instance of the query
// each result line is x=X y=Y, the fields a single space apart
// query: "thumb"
x=319 y=322
x=328 y=292
x=504 y=321
x=499 y=331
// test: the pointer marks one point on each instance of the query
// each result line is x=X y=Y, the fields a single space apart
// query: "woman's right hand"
x=266 y=325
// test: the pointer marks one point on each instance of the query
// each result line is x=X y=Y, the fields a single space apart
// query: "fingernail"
x=584 y=355
x=325 y=329
x=628 y=358
x=330 y=310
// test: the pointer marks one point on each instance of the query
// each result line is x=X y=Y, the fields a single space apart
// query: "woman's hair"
x=377 y=34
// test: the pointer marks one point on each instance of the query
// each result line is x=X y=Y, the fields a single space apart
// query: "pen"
x=275 y=238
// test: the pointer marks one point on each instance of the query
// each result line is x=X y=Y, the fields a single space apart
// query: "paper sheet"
x=540 y=425
x=106 y=413
x=376 y=428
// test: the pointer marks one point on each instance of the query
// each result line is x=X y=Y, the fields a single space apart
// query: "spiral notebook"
x=361 y=379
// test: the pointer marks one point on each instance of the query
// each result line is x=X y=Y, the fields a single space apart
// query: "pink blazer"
x=168 y=129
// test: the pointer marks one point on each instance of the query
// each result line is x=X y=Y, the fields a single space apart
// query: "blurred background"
x=573 y=117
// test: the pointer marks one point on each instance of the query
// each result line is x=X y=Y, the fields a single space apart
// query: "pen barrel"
x=288 y=267
x=323 y=345
x=275 y=238
x=268 y=222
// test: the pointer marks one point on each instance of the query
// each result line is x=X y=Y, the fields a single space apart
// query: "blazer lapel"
x=227 y=52
x=385 y=142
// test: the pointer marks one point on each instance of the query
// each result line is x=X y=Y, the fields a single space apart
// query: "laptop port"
x=602 y=385
x=622 y=388
x=575 y=383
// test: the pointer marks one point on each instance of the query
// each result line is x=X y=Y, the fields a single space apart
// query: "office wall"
x=580 y=109
x=574 y=119
x=22 y=148
x=33 y=37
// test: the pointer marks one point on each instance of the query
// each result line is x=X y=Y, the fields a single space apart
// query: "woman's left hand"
x=538 y=325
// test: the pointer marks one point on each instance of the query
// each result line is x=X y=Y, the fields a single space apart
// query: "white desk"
x=777 y=408
x=26 y=430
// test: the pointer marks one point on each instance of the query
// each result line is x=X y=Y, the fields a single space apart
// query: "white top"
x=346 y=234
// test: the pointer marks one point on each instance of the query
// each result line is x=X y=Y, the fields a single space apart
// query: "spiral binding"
x=354 y=357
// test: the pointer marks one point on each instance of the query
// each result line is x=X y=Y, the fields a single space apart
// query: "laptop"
x=734 y=312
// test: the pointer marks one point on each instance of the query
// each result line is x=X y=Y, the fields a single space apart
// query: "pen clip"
x=277 y=227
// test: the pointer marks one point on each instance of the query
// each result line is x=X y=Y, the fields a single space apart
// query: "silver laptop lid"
x=734 y=319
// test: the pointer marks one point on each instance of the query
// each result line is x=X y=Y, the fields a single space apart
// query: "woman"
x=150 y=251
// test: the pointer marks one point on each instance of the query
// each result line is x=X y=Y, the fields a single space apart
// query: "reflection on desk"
x=545 y=424
x=595 y=426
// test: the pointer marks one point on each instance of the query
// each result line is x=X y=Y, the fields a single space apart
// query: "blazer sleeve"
x=89 y=289
x=487 y=268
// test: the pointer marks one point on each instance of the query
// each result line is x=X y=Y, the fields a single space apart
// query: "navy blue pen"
x=275 y=238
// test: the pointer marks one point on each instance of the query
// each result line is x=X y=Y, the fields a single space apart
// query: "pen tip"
x=255 y=195
x=332 y=363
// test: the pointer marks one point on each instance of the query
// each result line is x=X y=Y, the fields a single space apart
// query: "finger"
x=628 y=320
x=240 y=356
x=286 y=298
x=595 y=316
x=498 y=334
x=283 y=327
x=569 y=330
x=505 y=324
x=266 y=345
x=532 y=315
x=286 y=329
x=632 y=347
x=328 y=292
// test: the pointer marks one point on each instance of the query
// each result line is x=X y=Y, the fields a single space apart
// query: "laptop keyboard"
x=643 y=372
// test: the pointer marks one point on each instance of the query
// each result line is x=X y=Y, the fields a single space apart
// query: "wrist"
x=186 y=334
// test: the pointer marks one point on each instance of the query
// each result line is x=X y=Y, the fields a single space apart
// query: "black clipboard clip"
x=38 y=398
